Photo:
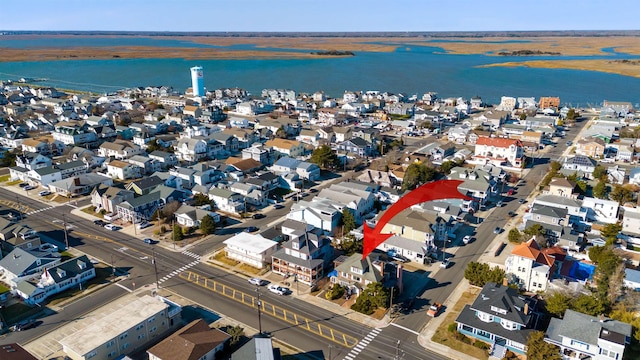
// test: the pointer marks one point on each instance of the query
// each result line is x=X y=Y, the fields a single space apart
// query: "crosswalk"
x=39 y=210
x=362 y=344
x=184 y=268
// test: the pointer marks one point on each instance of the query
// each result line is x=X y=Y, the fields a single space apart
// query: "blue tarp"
x=581 y=271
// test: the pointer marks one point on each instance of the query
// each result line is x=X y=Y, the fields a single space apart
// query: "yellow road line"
x=270 y=309
x=16 y=206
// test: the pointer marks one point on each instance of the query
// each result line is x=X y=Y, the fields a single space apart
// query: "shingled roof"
x=192 y=342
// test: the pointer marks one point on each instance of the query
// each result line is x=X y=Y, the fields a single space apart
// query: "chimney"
x=526 y=308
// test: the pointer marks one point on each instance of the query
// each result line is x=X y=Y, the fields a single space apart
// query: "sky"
x=320 y=15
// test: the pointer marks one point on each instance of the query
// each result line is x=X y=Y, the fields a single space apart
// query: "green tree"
x=236 y=333
x=621 y=194
x=417 y=174
x=587 y=304
x=177 y=233
x=479 y=274
x=152 y=146
x=582 y=186
x=8 y=159
x=280 y=133
x=538 y=349
x=207 y=225
x=348 y=220
x=557 y=303
x=523 y=116
x=515 y=236
x=610 y=232
x=555 y=166
x=201 y=199
x=600 y=190
x=324 y=157
x=350 y=245
x=374 y=296
x=536 y=230
x=599 y=172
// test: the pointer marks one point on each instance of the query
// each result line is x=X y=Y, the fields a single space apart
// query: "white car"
x=445 y=263
x=44 y=193
x=257 y=282
x=466 y=239
x=144 y=225
x=111 y=227
x=278 y=289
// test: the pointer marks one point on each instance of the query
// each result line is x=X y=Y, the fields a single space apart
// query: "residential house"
x=195 y=341
x=166 y=159
x=262 y=346
x=304 y=255
x=423 y=227
x=356 y=146
x=600 y=210
x=227 y=201
x=378 y=177
x=501 y=317
x=321 y=214
x=122 y=170
x=356 y=272
x=192 y=216
x=591 y=147
x=259 y=153
x=530 y=267
x=410 y=249
x=549 y=102
x=191 y=150
x=285 y=165
x=286 y=147
x=342 y=133
x=20 y=264
x=579 y=164
x=146 y=164
x=44 y=176
x=252 y=194
x=244 y=137
x=30 y=161
x=106 y=198
x=359 y=201
x=250 y=249
x=79 y=185
x=499 y=151
x=71 y=133
x=143 y=207
x=56 y=279
x=308 y=171
x=42 y=147
x=226 y=143
x=631 y=279
x=477 y=184
x=582 y=336
x=119 y=150
x=145 y=185
x=133 y=322
x=631 y=225
x=562 y=187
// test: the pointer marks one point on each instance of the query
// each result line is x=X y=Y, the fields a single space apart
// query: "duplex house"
x=44 y=176
x=39 y=146
x=591 y=147
x=146 y=164
x=530 y=267
x=358 y=201
x=226 y=200
x=501 y=317
x=122 y=170
x=55 y=279
x=562 y=187
x=258 y=152
x=143 y=207
x=30 y=161
x=355 y=273
x=304 y=256
x=356 y=146
x=600 y=210
x=499 y=151
x=79 y=185
x=189 y=149
x=250 y=249
x=252 y=194
x=108 y=197
x=322 y=214
x=21 y=264
x=477 y=184
x=423 y=227
x=72 y=133
x=582 y=336
x=145 y=185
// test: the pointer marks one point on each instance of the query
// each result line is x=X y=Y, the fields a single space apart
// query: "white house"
x=605 y=211
x=499 y=151
x=190 y=216
x=530 y=266
x=250 y=249
x=191 y=149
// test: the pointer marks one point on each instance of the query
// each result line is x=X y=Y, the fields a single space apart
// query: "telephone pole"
x=259 y=311
x=155 y=266
x=66 y=236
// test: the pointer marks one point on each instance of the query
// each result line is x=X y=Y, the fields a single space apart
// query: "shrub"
x=335 y=292
x=453 y=327
x=163 y=229
x=481 y=345
x=509 y=355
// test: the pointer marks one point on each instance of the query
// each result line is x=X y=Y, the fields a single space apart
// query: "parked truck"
x=434 y=309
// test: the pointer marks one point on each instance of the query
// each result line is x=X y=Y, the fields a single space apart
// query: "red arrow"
x=437 y=190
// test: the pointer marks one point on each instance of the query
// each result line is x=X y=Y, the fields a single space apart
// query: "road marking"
x=405 y=329
x=124 y=287
x=362 y=344
x=39 y=210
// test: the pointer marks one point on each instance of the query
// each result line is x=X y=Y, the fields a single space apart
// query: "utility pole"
x=19 y=207
x=66 y=236
x=391 y=303
x=259 y=311
x=113 y=267
x=155 y=266
x=398 y=350
x=330 y=347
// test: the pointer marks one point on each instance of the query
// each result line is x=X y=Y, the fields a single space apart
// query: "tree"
x=587 y=304
x=350 y=245
x=152 y=146
x=610 y=232
x=599 y=172
x=536 y=230
x=621 y=194
x=600 y=190
x=557 y=303
x=555 y=166
x=207 y=225
x=515 y=236
x=479 y=274
x=8 y=159
x=582 y=186
x=348 y=220
x=236 y=333
x=324 y=157
x=523 y=116
x=170 y=208
x=417 y=174
x=201 y=199
x=538 y=349
x=280 y=133
x=374 y=296
x=177 y=233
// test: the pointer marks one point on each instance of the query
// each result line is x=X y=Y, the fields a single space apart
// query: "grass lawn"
x=4 y=178
x=250 y=269
x=14 y=182
x=444 y=337
x=66 y=255
x=3 y=288
x=222 y=257
x=91 y=210
x=18 y=311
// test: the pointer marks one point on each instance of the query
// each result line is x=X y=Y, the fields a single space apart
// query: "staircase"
x=497 y=351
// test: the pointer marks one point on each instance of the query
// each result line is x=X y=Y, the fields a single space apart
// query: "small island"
x=527 y=53
x=334 y=53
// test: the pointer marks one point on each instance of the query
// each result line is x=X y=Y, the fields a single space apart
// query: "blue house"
x=501 y=317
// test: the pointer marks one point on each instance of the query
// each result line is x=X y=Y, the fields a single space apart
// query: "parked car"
x=445 y=263
x=512 y=214
x=149 y=241
x=521 y=201
x=29 y=187
x=99 y=222
x=277 y=289
x=466 y=239
x=111 y=227
x=278 y=206
x=257 y=281
x=144 y=225
x=499 y=203
x=400 y=258
x=44 y=193
x=569 y=143
x=258 y=216
x=25 y=325
x=251 y=229
x=23 y=184
x=510 y=192
x=497 y=230
x=313 y=190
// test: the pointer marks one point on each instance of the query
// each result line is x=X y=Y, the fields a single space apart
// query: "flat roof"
x=118 y=318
